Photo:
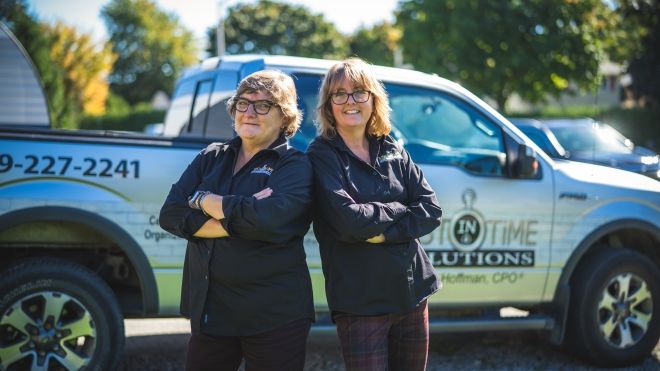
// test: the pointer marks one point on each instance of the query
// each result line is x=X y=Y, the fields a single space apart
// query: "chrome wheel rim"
x=45 y=329
x=625 y=310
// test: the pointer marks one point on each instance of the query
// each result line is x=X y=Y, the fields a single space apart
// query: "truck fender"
x=102 y=226
x=563 y=293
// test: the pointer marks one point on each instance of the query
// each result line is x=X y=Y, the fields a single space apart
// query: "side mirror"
x=527 y=166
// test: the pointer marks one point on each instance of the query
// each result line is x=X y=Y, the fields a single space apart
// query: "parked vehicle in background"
x=154 y=129
x=542 y=136
x=574 y=247
x=587 y=140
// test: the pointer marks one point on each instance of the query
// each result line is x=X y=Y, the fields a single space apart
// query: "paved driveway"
x=159 y=344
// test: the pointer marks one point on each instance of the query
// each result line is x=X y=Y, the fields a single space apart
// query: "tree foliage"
x=496 y=48
x=270 y=27
x=152 y=48
x=376 y=44
x=644 y=67
x=72 y=69
x=84 y=65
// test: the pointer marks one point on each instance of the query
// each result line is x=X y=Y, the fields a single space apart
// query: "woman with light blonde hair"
x=372 y=205
x=353 y=69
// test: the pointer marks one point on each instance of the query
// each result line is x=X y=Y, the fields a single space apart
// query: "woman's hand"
x=211 y=205
x=264 y=193
x=377 y=239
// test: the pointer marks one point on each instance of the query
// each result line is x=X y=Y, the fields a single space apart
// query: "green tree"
x=37 y=43
x=376 y=44
x=644 y=66
x=276 y=28
x=152 y=48
x=496 y=48
x=85 y=68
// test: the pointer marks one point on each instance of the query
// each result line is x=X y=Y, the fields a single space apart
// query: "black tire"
x=619 y=332
x=58 y=315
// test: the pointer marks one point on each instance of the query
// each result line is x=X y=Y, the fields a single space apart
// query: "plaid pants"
x=391 y=342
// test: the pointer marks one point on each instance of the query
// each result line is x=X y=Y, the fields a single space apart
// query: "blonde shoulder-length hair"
x=356 y=71
x=281 y=89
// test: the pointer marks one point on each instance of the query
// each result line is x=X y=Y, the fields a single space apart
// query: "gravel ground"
x=159 y=344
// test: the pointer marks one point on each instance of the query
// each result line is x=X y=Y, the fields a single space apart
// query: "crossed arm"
x=374 y=222
x=211 y=205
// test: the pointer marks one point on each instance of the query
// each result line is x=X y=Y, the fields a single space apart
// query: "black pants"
x=280 y=349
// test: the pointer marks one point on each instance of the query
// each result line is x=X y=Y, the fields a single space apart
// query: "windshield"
x=596 y=138
x=434 y=126
x=546 y=140
x=425 y=115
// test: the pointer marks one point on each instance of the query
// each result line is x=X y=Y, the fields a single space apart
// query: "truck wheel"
x=58 y=315
x=615 y=308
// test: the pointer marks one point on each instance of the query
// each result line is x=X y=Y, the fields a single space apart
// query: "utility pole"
x=220 y=29
x=398 y=56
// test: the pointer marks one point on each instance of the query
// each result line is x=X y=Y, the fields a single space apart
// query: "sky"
x=198 y=15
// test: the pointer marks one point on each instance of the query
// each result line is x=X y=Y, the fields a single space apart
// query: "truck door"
x=494 y=242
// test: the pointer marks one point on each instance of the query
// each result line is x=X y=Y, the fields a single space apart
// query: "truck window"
x=220 y=125
x=200 y=110
x=307 y=87
x=441 y=129
x=179 y=113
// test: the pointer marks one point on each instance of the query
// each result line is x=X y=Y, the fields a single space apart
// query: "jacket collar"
x=385 y=142
x=280 y=146
x=338 y=142
x=376 y=146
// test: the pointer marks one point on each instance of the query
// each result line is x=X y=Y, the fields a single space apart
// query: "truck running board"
x=536 y=322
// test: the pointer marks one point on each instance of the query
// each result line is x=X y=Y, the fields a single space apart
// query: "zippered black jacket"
x=356 y=201
x=256 y=279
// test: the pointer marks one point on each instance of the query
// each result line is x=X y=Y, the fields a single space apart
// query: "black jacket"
x=356 y=201
x=256 y=279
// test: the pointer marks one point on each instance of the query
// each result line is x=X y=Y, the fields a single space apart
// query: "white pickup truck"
x=571 y=249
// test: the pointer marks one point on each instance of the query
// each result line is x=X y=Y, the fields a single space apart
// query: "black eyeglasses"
x=359 y=96
x=261 y=107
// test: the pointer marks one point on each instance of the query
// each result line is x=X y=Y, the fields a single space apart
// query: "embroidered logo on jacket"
x=389 y=156
x=266 y=170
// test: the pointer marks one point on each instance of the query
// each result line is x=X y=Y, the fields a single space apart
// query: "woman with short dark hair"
x=243 y=206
